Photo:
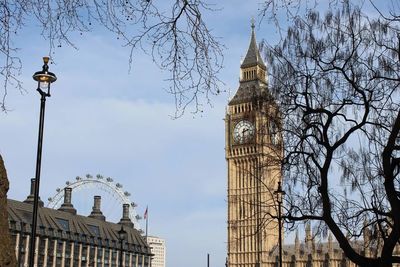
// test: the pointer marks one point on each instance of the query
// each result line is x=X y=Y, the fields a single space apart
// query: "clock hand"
x=244 y=132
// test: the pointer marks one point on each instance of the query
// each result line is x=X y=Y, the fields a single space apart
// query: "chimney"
x=96 y=212
x=30 y=198
x=125 y=220
x=67 y=205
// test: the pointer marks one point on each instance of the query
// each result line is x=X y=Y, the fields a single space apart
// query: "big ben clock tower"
x=253 y=153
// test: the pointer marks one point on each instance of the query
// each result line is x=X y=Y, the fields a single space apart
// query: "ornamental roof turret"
x=253 y=82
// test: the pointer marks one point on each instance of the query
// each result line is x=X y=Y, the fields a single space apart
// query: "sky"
x=103 y=119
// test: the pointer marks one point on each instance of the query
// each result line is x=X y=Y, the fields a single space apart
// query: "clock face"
x=243 y=131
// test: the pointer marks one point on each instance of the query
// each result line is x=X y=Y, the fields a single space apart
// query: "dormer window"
x=63 y=223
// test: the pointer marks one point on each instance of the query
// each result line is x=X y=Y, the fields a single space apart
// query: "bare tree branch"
x=174 y=34
x=337 y=77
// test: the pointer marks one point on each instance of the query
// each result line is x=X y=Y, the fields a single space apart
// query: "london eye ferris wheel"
x=114 y=192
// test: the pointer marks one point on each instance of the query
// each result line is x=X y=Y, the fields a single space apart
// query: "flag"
x=145 y=213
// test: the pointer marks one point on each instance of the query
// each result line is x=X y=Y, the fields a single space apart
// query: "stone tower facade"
x=254 y=151
x=253 y=154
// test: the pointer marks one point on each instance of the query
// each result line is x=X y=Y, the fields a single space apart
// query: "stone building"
x=66 y=239
x=311 y=253
x=253 y=149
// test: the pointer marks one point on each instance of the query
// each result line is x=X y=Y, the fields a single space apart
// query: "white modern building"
x=157 y=247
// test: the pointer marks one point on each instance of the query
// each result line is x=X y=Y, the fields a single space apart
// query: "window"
x=67 y=254
x=113 y=258
x=140 y=261
x=126 y=259
x=42 y=250
x=13 y=225
x=84 y=253
x=94 y=229
x=83 y=238
x=99 y=255
x=106 y=257
x=146 y=261
x=21 y=253
x=58 y=262
x=27 y=215
x=91 y=256
x=59 y=249
x=50 y=252
x=76 y=253
x=64 y=223
x=42 y=230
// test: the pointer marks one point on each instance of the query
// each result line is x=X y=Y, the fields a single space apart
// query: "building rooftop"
x=66 y=225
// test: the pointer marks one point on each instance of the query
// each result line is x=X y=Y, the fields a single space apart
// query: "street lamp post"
x=121 y=237
x=279 y=196
x=44 y=79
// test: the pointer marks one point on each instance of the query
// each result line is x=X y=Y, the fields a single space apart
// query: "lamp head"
x=279 y=192
x=122 y=233
x=44 y=77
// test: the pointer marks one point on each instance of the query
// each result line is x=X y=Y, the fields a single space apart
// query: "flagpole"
x=147 y=224
x=147 y=219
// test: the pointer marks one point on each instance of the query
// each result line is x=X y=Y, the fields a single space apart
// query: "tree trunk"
x=7 y=251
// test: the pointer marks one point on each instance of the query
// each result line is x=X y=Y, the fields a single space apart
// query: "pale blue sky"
x=102 y=119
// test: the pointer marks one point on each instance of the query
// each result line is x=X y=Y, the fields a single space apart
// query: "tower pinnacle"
x=253 y=80
x=253 y=57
